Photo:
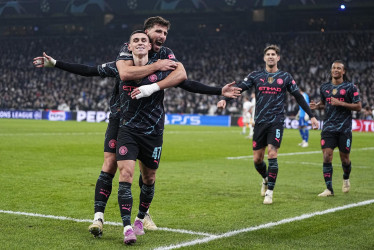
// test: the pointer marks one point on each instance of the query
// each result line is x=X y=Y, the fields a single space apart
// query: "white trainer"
x=96 y=228
x=304 y=145
x=264 y=186
x=268 y=197
x=346 y=186
x=326 y=193
x=148 y=222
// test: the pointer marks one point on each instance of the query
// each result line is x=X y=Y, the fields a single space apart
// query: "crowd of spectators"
x=214 y=60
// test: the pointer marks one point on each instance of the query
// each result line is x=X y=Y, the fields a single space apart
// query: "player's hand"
x=44 y=61
x=221 y=104
x=230 y=91
x=313 y=105
x=166 y=64
x=335 y=102
x=315 y=123
x=144 y=91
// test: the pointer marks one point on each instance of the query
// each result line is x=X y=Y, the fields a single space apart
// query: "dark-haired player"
x=339 y=98
x=104 y=183
x=271 y=86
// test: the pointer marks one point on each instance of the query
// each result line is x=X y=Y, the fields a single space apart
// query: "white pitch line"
x=294 y=153
x=182 y=231
x=315 y=164
x=264 y=226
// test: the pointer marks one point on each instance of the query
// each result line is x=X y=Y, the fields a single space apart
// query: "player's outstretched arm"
x=44 y=61
x=173 y=79
x=79 y=69
x=127 y=71
x=197 y=87
x=230 y=91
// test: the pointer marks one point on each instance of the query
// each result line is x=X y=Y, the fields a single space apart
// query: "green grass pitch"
x=206 y=187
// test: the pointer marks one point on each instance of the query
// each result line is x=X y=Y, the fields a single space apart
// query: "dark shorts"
x=111 y=133
x=132 y=145
x=335 y=139
x=267 y=133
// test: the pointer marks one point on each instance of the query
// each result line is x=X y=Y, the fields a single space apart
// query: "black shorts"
x=111 y=133
x=267 y=133
x=132 y=145
x=335 y=139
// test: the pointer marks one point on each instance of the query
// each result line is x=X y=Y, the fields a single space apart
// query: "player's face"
x=139 y=44
x=271 y=58
x=337 y=70
x=158 y=36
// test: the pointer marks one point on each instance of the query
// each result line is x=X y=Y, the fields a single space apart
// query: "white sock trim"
x=99 y=215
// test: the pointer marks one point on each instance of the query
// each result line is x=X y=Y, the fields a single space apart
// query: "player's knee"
x=110 y=163
x=149 y=178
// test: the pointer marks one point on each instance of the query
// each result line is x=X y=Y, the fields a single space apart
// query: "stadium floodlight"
x=342 y=7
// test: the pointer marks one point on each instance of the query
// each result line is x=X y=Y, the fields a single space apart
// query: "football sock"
x=273 y=172
x=327 y=174
x=301 y=130
x=125 y=202
x=306 y=134
x=347 y=170
x=261 y=169
x=103 y=190
x=146 y=197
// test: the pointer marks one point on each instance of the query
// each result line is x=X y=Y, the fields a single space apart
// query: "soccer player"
x=303 y=121
x=104 y=184
x=271 y=86
x=339 y=98
x=157 y=29
x=248 y=114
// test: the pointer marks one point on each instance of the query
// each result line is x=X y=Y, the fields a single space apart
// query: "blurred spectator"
x=214 y=60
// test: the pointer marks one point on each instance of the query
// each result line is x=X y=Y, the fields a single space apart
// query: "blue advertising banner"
x=56 y=115
x=198 y=120
x=21 y=114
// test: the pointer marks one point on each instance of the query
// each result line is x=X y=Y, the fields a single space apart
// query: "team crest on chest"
x=334 y=91
x=270 y=79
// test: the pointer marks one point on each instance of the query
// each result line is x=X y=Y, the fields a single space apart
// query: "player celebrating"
x=104 y=183
x=339 y=98
x=271 y=86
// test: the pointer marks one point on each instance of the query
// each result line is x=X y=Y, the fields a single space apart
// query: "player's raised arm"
x=197 y=87
x=79 y=69
x=173 y=79
x=127 y=71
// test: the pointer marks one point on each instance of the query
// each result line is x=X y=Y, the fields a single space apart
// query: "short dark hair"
x=273 y=47
x=137 y=32
x=152 y=21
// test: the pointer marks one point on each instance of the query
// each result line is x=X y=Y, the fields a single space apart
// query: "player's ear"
x=129 y=47
x=149 y=46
